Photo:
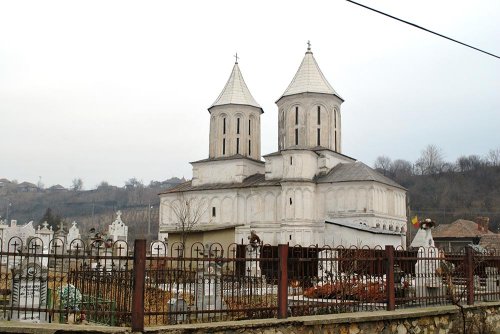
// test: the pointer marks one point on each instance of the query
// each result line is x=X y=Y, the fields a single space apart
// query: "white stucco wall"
x=225 y=171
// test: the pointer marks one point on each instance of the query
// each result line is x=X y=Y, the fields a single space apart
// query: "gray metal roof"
x=235 y=91
x=256 y=180
x=362 y=227
x=355 y=171
x=309 y=79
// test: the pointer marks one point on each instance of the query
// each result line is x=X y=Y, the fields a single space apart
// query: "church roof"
x=362 y=227
x=255 y=180
x=355 y=171
x=229 y=157
x=309 y=79
x=235 y=91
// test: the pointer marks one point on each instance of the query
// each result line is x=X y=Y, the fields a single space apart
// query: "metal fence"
x=163 y=284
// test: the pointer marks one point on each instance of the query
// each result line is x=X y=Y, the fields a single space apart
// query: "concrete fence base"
x=483 y=317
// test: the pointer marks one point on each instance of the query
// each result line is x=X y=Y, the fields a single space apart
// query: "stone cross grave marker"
x=209 y=290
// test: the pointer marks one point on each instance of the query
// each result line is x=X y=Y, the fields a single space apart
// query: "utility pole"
x=149 y=217
x=8 y=211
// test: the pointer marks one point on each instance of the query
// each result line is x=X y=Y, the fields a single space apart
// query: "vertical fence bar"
x=138 y=285
x=391 y=296
x=469 y=263
x=283 y=281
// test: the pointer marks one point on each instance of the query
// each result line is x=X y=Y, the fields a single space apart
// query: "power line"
x=422 y=28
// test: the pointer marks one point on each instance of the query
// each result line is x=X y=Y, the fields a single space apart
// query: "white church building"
x=305 y=193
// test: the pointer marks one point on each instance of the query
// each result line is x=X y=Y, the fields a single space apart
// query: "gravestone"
x=427 y=282
x=45 y=234
x=177 y=305
x=29 y=290
x=327 y=265
x=209 y=290
x=252 y=254
x=73 y=234
x=118 y=231
x=22 y=232
x=492 y=284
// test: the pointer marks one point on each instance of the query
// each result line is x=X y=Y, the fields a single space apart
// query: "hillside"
x=445 y=195
x=92 y=208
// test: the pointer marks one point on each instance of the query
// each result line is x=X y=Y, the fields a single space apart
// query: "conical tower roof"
x=309 y=79
x=235 y=91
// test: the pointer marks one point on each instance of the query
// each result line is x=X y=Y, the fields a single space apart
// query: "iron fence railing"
x=107 y=283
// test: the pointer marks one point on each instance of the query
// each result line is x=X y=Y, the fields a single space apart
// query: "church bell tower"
x=309 y=110
x=235 y=120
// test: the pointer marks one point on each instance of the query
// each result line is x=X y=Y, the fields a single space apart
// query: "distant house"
x=460 y=233
x=57 y=188
x=27 y=187
x=4 y=183
x=490 y=242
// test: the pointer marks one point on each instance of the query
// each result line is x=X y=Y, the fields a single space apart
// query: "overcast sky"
x=109 y=90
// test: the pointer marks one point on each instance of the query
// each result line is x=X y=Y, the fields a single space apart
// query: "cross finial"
x=308 y=45
x=236 y=57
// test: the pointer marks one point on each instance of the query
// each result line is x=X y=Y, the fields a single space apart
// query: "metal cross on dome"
x=236 y=56
x=308 y=45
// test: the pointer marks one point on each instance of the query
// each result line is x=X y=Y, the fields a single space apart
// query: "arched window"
x=224 y=126
x=238 y=126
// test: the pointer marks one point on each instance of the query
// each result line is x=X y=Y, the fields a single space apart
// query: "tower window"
x=290 y=201
x=249 y=127
x=238 y=126
x=296 y=115
x=223 y=146
x=224 y=126
x=319 y=115
x=319 y=137
x=335 y=144
x=249 y=147
x=237 y=145
x=291 y=160
x=296 y=136
x=334 y=118
x=213 y=211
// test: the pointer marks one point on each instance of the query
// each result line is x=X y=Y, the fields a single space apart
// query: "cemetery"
x=99 y=277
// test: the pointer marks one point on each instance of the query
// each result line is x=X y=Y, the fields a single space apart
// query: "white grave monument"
x=327 y=265
x=427 y=282
x=74 y=234
x=252 y=255
x=29 y=290
x=118 y=231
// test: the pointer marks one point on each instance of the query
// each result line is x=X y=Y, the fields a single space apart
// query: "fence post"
x=138 y=285
x=283 y=281
x=389 y=279
x=469 y=263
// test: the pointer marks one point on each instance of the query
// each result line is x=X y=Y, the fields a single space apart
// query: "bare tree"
x=401 y=169
x=430 y=161
x=134 y=183
x=383 y=163
x=77 y=184
x=469 y=163
x=493 y=157
x=187 y=212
